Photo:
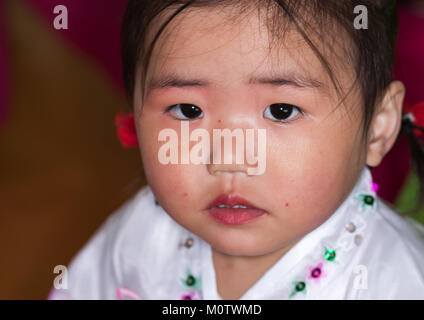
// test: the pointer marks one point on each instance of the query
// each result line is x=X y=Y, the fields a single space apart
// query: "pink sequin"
x=316 y=272
x=191 y=295
x=375 y=187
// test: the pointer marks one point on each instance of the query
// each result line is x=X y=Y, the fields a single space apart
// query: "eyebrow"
x=287 y=79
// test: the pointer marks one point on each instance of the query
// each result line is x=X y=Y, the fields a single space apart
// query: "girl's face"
x=313 y=159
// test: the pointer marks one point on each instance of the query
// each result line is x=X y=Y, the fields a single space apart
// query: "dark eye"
x=281 y=112
x=185 y=111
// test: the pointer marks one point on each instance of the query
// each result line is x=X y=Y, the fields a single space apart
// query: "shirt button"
x=350 y=227
x=358 y=239
x=189 y=243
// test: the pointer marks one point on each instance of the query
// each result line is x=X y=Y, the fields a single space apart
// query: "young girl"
x=317 y=78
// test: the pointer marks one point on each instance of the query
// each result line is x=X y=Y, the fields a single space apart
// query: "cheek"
x=312 y=171
x=174 y=185
x=163 y=178
x=307 y=152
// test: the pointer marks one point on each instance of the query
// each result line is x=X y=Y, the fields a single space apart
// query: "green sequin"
x=367 y=200
x=190 y=280
x=300 y=286
x=330 y=255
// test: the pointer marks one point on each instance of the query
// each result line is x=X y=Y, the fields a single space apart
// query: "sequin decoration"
x=316 y=272
x=190 y=281
x=191 y=295
x=299 y=286
x=330 y=254
x=367 y=201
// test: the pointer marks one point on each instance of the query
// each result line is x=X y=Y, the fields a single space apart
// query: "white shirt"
x=363 y=251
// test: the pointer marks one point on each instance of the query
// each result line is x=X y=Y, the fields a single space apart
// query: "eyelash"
x=168 y=109
x=300 y=111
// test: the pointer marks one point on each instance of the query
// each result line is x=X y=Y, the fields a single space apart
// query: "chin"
x=239 y=248
x=238 y=251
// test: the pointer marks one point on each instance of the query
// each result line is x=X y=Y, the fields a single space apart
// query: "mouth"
x=231 y=209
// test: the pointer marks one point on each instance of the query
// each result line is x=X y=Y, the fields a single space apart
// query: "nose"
x=228 y=156
x=234 y=149
x=220 y=169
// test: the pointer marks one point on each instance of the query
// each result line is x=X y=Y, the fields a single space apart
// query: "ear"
x=386 y=123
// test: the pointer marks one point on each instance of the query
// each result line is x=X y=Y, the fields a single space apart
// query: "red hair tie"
x=415 y=115
x=125 y=129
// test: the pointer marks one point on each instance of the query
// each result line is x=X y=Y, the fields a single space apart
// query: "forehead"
x=228 y=48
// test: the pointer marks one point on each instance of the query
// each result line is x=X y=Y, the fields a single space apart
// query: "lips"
x=231 y=200
x=231 y=209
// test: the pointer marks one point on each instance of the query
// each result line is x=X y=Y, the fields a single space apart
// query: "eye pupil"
x=189 y=110
x=281 y=110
